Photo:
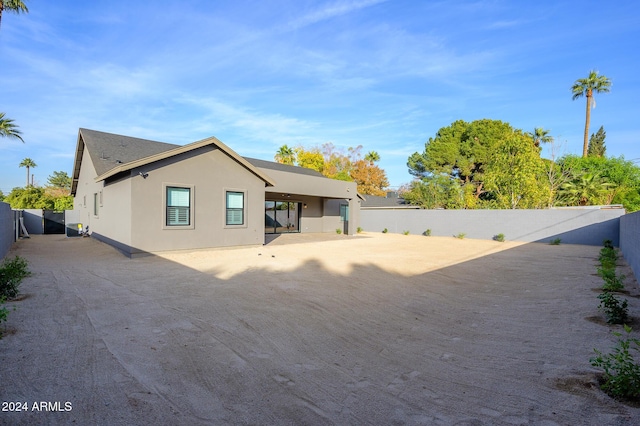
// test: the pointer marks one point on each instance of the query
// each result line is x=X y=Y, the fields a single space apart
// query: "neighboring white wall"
x=630 y=240
x=572 y=226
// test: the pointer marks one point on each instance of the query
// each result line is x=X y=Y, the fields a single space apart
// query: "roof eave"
x=181 y=150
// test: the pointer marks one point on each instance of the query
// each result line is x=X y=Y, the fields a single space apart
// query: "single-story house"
x=143 y=196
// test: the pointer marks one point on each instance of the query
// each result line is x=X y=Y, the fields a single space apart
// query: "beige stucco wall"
x=114 y=204
x=210 y=172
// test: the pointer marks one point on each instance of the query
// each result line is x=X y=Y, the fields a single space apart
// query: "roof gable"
x=112 y=154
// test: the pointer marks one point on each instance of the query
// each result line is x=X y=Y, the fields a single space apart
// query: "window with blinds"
x=235 y=208
x=178 y=206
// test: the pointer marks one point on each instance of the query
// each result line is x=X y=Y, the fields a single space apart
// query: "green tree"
x=512 y=176
x=16 y=6
x=1 y=196
x=59 y=180
x=437 y=191
x=285 y=155
x=30 y=197
x=540 y=136
x=622 y=176
x=596 y=143
x=587 y=87
x=372 y=157
x=462 y=151
x=8 y=129
x=28 y=163
x=586 y=189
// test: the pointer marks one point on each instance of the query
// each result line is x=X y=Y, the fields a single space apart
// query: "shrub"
x=338 y=231
x=555 y=242
x=607 y=244
x=385 y=230
x=460 y=235
x=615 y=311
x=360 y=230
x=12 y=272
x=499 y=237
x=427 y=233
x=3 y=312
x=613 y=282
x=621 y=369
x=405 y=232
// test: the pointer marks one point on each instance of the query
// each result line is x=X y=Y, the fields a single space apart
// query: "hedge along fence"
x=630 y=241
x=590 y=226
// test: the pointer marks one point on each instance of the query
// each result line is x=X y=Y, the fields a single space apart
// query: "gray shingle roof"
x=263 y=164
x=108 y=150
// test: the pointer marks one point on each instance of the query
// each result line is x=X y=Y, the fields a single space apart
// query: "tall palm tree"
x=372 y=157
x=16 y=6
x=594 y=83
x=541 y=135
x=28 y=163
x=285 y=155
x=8 y=129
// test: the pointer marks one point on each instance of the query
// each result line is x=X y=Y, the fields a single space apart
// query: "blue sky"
x=382 y=74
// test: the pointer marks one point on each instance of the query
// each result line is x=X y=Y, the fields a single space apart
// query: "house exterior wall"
x=572 y=226
x=113 y=221
x=630 y=240
x=209 y=172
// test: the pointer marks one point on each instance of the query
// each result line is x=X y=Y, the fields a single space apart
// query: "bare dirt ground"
x=375 y=329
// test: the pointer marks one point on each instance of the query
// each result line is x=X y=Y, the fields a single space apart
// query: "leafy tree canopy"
x=463 y=151
x=596 y=143
x=59 y=180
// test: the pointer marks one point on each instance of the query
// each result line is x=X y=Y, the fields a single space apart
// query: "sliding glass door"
x=281 y=217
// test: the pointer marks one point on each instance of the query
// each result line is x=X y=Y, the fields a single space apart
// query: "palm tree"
x=594 y=83
x=285 y=155
x=586 y=189
x=28 y=163
x=8 y=129
x=372 y=157
x=541 y=135
x=16 y=6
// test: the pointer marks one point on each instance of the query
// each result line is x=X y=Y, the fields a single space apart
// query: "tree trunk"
x=27 y=177
x=585 y=146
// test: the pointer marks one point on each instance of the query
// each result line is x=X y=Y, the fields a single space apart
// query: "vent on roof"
x=118 y=162
x=103 y=157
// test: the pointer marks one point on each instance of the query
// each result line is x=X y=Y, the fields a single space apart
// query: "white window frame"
x=96 y=205
x=244 y=193
x=191 y=188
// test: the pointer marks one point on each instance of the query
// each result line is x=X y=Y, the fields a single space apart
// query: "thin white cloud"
x=329 y=11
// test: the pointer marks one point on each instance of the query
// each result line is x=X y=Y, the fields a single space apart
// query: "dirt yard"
x=375 y=329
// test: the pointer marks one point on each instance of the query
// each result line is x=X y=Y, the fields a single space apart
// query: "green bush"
x=12 y=272
x=607 y=244
x=499 y=237
x=427 y=233
x=338 y=231
x=460 y=236
x=555 y=242
x=614 y=282
x=616 y=312
x=360 y=230
x=405 y=232
x=621 y=368
x=385 y=230
x=4 y=312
